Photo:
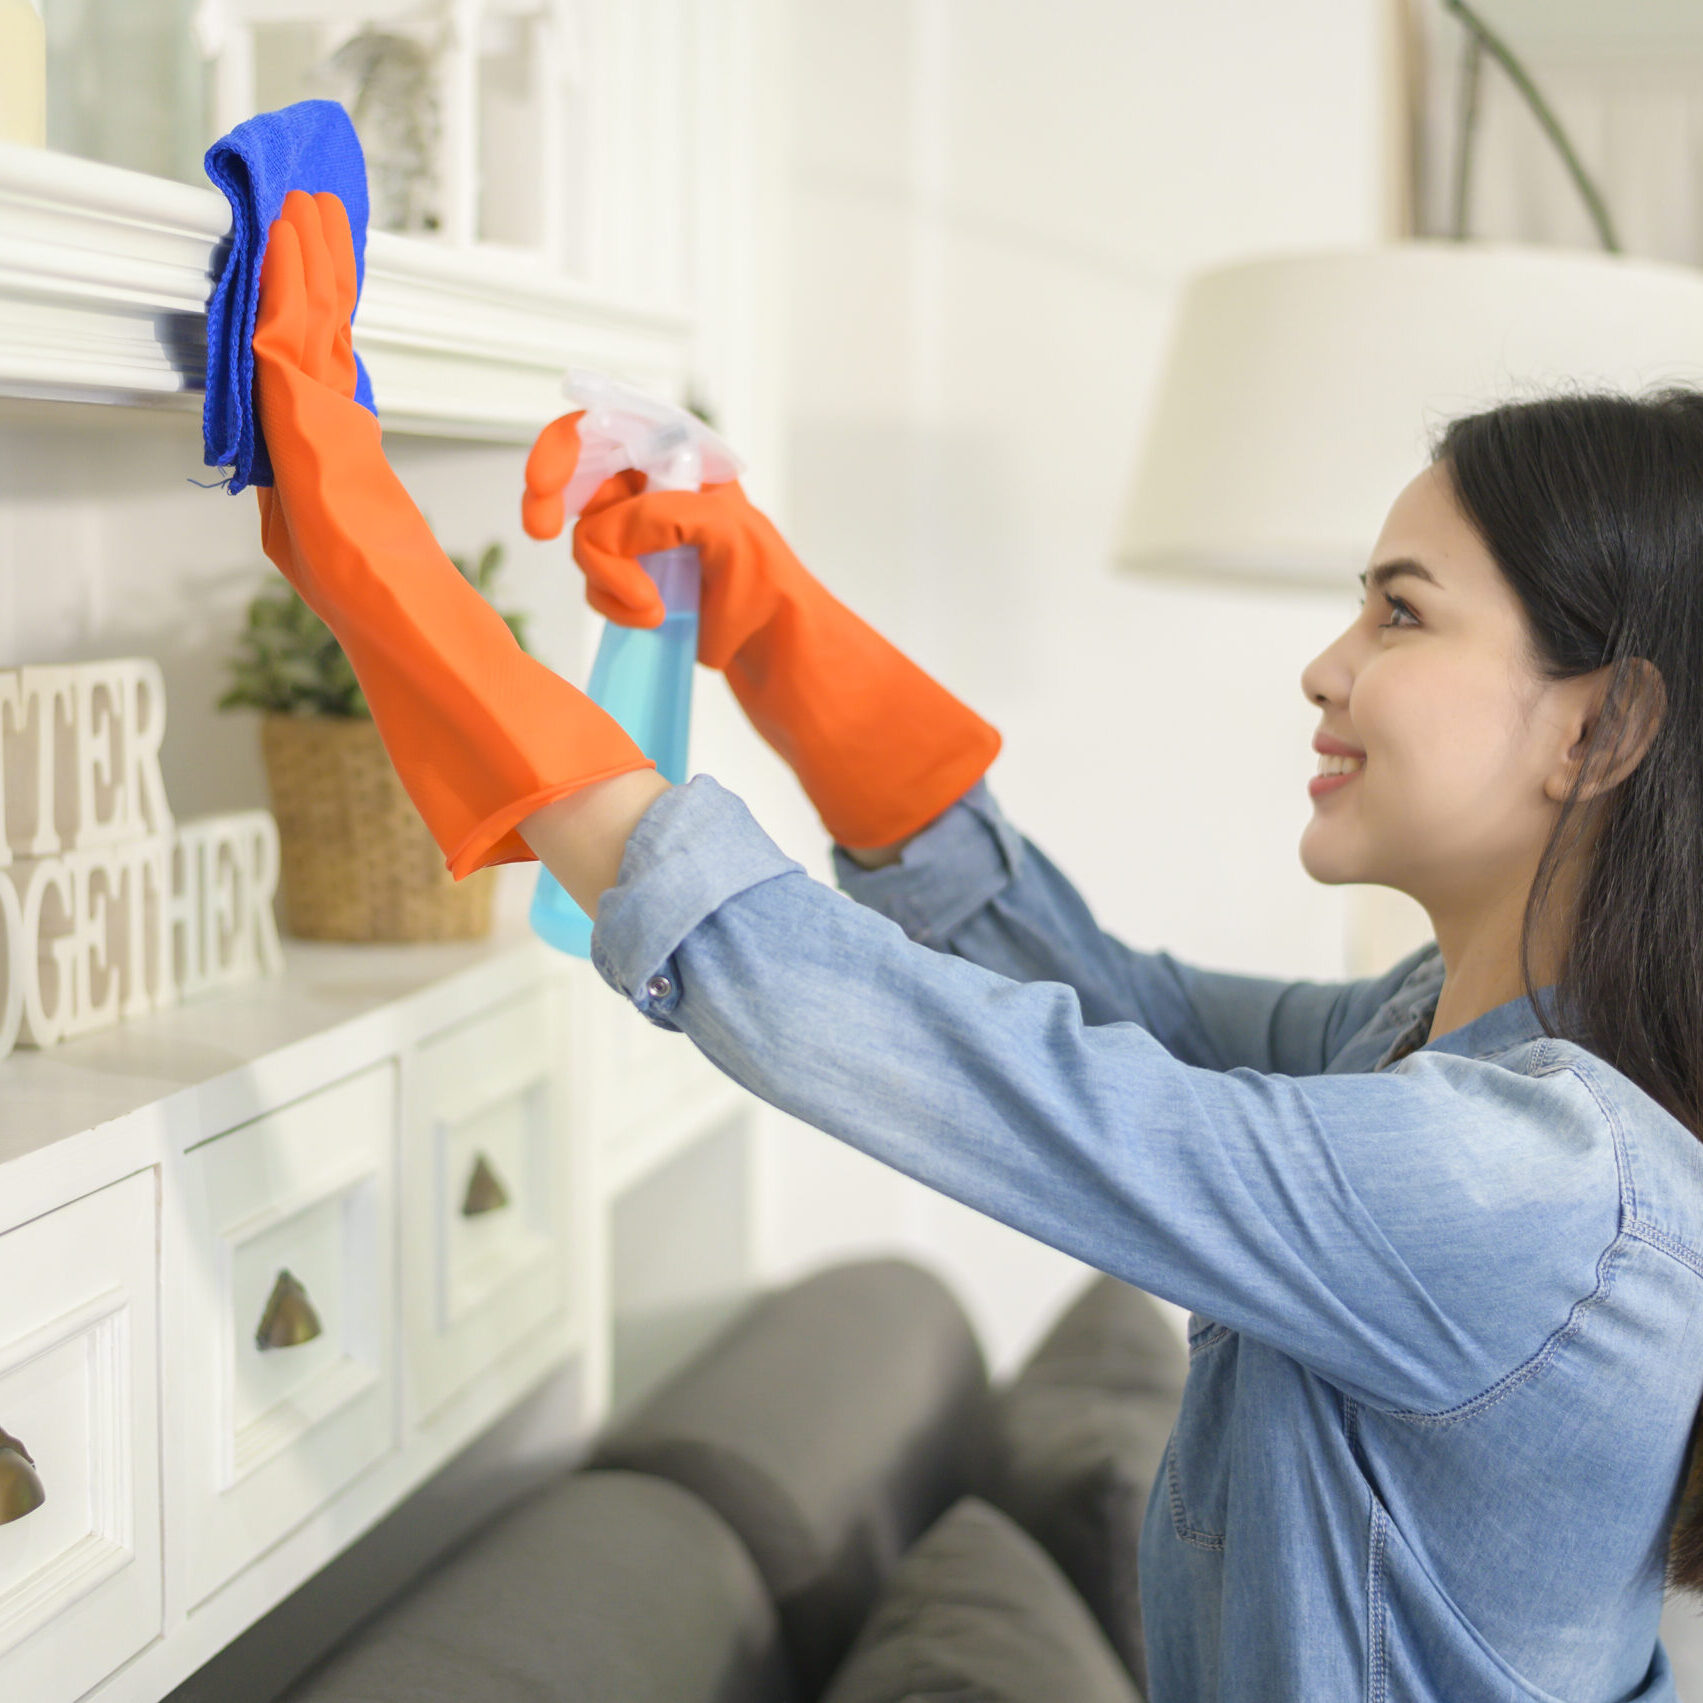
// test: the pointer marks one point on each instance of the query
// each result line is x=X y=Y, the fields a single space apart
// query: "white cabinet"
x=390 y=1158
x=489 y=1192
x=287 y=1218
x=80 y=1587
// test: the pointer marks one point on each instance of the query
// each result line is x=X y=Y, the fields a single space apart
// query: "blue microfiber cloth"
x=310 y=145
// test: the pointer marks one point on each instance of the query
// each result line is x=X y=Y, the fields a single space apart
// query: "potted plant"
x=356 y=861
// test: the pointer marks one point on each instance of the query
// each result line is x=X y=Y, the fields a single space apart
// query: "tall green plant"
x=289 y=663
x=1480 y=39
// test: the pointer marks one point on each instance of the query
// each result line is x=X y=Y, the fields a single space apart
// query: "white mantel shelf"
x=105 y=274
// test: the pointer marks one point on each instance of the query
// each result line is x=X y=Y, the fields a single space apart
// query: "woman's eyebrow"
x=1384 y=572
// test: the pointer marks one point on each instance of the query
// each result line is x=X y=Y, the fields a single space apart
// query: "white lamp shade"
x=1299 y=393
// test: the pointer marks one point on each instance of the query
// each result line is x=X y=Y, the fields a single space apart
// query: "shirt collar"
x=1511 y=1024
x=1496 y=1030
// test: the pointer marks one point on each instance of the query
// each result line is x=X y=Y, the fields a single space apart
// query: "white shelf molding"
x=105 y=274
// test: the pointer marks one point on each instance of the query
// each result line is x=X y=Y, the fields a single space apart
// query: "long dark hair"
x=1592 y=507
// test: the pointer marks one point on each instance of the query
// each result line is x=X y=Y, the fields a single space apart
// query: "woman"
x=1441 y=1230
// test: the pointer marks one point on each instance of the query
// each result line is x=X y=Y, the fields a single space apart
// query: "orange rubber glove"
x=879 y=747
x=480 y=733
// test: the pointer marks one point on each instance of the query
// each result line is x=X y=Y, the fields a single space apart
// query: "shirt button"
x=659 y=987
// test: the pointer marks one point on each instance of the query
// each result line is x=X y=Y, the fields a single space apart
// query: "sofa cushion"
x=605 y=1585
x=829 y=1425
x=1079 y=1442
x=976 y=1611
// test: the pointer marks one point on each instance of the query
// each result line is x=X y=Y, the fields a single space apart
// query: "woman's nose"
x=1328 y=676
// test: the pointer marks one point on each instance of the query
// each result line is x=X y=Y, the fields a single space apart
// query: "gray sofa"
x=829 y=1502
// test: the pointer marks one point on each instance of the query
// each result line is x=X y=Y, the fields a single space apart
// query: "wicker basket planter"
x=357 y=863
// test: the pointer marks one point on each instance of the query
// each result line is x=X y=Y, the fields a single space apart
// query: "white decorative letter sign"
x=108 y=909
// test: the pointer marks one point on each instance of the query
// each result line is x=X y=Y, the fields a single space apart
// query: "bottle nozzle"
x=625 y=428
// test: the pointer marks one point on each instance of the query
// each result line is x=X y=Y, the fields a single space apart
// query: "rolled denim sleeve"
x=1413 y=1234
x=972 y=885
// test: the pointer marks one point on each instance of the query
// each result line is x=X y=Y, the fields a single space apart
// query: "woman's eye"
x=1396 y=604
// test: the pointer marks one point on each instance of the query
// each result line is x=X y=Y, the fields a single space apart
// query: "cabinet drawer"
x=486 y=1189
x=284 y=1320
x=80 y=1573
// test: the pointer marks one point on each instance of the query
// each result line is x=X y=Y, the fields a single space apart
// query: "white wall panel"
x=107 y=549
x=1162 y=137
x=851 y=91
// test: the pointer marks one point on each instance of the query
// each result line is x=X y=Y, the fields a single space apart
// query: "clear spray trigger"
x=623 y=427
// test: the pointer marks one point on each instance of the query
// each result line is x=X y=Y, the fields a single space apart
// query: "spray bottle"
x=642 y=675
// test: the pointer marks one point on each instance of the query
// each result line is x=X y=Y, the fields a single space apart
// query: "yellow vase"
x=23 y=73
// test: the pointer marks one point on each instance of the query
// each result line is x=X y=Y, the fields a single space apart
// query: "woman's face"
x=1431 y=682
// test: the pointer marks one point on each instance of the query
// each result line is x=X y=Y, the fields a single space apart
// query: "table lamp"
x=1299 y=392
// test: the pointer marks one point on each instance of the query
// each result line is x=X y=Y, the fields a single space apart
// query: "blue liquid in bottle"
x=643 y=677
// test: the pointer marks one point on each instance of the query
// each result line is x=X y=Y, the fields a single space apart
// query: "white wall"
x=991 y=204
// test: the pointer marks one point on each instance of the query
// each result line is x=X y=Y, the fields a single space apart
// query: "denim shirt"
x=1447 y=1295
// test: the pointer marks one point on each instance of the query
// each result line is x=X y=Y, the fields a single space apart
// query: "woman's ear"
x=1628 y=719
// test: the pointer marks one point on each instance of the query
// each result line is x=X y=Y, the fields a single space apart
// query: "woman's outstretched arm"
x=1378 y=1227
x=580 y=839
x=970 y=884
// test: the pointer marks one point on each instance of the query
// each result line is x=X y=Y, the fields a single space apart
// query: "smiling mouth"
x=1330 y=780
